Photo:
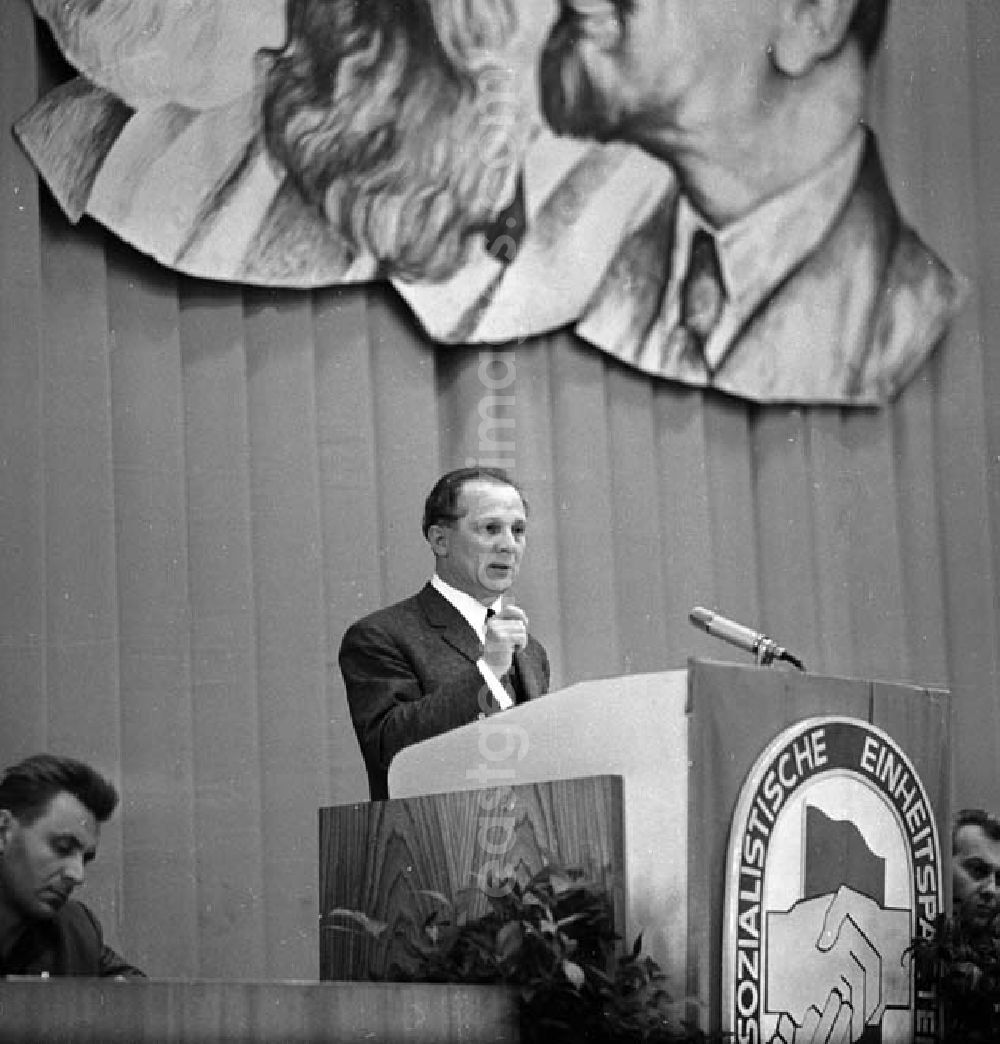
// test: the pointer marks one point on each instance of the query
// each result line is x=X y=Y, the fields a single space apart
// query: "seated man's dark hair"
x=989 y=824
x=441 y=507
x=27 y=788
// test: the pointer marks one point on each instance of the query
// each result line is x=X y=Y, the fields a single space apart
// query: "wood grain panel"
x=76 y=1011
x=394 y=860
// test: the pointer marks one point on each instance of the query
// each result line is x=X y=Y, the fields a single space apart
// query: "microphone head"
x=700 y=617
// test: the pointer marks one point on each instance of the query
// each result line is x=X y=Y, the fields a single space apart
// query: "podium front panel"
x=736 y=714
x=634 y=727
x=684 y=743
x=402 y=862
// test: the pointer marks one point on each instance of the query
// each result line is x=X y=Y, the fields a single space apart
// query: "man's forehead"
x=972 y=839
x=599 y=7
x=68 y=815
x=482 y=496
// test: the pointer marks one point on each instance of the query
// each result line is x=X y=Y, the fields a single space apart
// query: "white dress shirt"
x=475 y=615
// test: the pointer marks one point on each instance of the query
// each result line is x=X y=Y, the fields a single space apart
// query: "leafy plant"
x=551 y=935
x=964 y=965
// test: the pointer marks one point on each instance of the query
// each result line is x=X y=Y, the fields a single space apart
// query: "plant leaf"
x=574 y=973
x=563 y=921
x=560 y=884
x=368 y=924
x=509 y=940
x=439 y=896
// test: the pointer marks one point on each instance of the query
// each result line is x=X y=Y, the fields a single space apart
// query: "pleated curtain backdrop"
x=202 y=485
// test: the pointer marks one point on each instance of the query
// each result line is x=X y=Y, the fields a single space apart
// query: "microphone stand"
x=768 y=652
x=765 y=650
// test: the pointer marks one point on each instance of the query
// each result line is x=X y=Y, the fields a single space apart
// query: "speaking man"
x=458 y=649
x=51 y=809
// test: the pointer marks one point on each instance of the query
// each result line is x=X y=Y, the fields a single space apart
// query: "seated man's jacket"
x=70 y=944
x=410 y=671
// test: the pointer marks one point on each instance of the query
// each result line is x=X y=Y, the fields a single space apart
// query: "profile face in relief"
x=657 y=70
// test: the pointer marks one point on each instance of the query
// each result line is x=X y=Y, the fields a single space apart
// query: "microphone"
x=759 y=645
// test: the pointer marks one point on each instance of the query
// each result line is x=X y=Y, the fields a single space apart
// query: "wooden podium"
x=398 y=861
x=634 y=727
x=683 y=743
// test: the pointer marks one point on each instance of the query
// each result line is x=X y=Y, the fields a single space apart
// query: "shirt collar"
x=757 y=251
x=474 y=612
x=790 y=224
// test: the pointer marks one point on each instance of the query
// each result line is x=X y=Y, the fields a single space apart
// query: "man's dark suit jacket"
x=70 y=944
x=410 y=671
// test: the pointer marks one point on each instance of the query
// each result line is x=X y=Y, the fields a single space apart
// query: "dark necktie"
x=702 y=292
x=504 y=233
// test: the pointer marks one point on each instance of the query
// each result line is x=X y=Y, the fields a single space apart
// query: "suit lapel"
x=450 y=623
x=455 y=630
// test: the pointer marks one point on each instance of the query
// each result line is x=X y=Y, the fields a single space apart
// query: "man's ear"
x=437 y=537
x=809 y=31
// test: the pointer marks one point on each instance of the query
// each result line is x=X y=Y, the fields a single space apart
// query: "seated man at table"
x=460 y=648
x=51 y=809
x=975 y=862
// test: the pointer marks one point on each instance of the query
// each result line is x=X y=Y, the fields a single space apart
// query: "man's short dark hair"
x=867 y=25
x=441 y=507
x=27 y=788
x=977 y=817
